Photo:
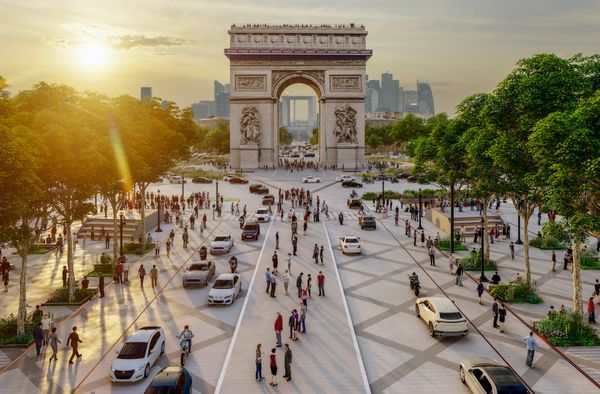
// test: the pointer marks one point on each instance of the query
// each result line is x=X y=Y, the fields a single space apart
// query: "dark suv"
x=258 y=189
x=267 y=200
x=367 y=222
x=251 y=230
x=354 y=203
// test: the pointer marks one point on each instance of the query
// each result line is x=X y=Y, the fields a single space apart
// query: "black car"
x=267 y=200
x=403 y=176
x=354 y=203
x=201 y=179
x=258 y=189
x=251 y=230
x=351 y=183
x=367 y=222
x=171 y=380
x=395 y=180
x=382 y=178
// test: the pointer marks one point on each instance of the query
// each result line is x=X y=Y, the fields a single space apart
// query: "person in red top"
x=591 y=308
x=321 y=283
x=278 y=328
x=273 y=365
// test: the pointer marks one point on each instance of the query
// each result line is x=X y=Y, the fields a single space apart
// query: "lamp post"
x=452 y=217
x=182 y=187
x=519 y=204
x=158 y=229
x=217 y=193
x=121 y=224
x=482 y=278
x=420 y=204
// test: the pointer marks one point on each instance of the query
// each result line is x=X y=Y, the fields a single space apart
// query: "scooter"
x=415 y=285
x=233 y=264
x=185 y=349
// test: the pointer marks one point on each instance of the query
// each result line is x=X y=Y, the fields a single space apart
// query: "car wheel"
x=462 y=374
x=417 y=310
x=318 y=181
x=147 y=370
x=431 y=330
x=162 y=349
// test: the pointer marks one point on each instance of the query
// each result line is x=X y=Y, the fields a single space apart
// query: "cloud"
x=128 y=41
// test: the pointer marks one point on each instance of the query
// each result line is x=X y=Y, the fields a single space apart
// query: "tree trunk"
x=577 y=302
x=484 y=232
x=452 y=217
x=143 y=187
x=22 y=312
x=526 y=247
x=115 y=236
x=70 y=263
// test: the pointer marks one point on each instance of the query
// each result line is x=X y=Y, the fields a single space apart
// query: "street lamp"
x=519 y=204
x=121 y=224
x=482 y=278
x=182 y=187
x=420 y=205
x=158 y=229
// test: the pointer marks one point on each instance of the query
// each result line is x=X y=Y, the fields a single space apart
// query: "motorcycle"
x=415 y=285
x=185 y=349
x=203 y=253
x=233 y=264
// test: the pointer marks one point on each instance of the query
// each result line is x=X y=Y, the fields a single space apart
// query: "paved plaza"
x=363 y=336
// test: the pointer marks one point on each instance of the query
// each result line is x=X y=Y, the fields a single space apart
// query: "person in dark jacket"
x=38 y=337
x=74 y=341
x=287 y=362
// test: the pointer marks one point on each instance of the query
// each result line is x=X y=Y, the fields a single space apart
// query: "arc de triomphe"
x=266 y=59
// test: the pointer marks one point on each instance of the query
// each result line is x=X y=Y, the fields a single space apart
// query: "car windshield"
x=250 y=227
x=450 y=315
x=133 y=350
x=162 y=390
x=199 y=267
x=351 y=240
x=223 y=284
x=221 y=238
x=369 y=218
x=262 y=211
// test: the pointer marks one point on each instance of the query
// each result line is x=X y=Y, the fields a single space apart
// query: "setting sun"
x=94 y=55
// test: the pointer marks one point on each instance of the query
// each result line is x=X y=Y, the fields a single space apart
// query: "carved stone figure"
x=250 y=82
x=250 y=126
x=345 y=82
x=345 y=124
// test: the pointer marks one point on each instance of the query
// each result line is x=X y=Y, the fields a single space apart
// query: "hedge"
x=472 y=262
x=589 y=260
x=136 y=248
x=546 y=243
x=8 y=332
x=516 y=293
x=61 y=296
x=567 y=329
x=444 y=245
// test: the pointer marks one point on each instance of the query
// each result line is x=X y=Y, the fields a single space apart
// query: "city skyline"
x=177 y=47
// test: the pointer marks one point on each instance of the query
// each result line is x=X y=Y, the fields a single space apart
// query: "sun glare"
x=94 y=55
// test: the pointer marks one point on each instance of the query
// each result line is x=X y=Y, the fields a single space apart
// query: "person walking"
x=38 y=337
x=531 y=346
x=278 y=326
x=321 y=283
x=422 y=238
x=46 y=324
x=185 y=237
x=268 y=279
x=480 y=291
x=415 y=237
x=591 y=308
x=512 y=250
x=597 y=291
x=275 y=260
x=273 y=365
x=168 y=247
x=458 y=274
x=292 y=324
x=553 y=261
x=431 y=255
x=286 y=281
x=277 y=240
x=289 y=263
x=65 y=271
x=74 y=341
x=157 y=249
x=258 y=361
x=502 y=317
x=316 y=254
x=305 y=296
x=101 y=285
x=321 y=253
x=299 y=284
x=119 y=271
x=495 y=278
x=273 y=285
x=154 y=276
x=294 y=244
x=53 y=341
x=141 y=274
x=302 y=319
x=5 y=269
x=309 y=285
x=495 y=313
x=125 y=269
x=287 y=362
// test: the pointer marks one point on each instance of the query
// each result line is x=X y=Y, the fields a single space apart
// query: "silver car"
x=198 y=274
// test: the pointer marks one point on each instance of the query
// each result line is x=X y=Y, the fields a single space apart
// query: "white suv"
x=139 y=353
x=441 y=316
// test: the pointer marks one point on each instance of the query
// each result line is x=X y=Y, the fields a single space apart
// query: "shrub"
x=137 y=248
x=546 y=243
x=8 y=331
x=516 y=293
x=444 y=244
x=472 y=262
x=61 y=296
x=567 y=329
x=389 y=194
x=39 y=249
x=589 y=260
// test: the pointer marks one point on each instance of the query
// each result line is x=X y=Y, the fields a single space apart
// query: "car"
x=262 y=214
x=225 y=290
x=382 y=178
x=201 y=179
x=139 y=353
x=367 y=221
x=441 y=316
x=354 y=203
x=311 y=179
x=403 y=176
x=227 y=178
x=395 y=180
x=251 y=230
x=351 y=183
x=175 y=179
x=258 y=189
x=199 y=273
x=171 y=380
x=237 y=181
x=267 y=200
x=350 y=244
x=484 y=375
x=411 y=178
x=221 y=244
x=343 y=178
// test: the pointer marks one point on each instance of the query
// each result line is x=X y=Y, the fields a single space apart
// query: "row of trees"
x=535 y=139
x=398 y=133
x=61 y=147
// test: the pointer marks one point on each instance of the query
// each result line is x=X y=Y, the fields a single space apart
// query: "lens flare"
x=120 y=156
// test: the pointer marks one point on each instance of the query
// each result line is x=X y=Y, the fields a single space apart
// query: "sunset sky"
x=176 y=46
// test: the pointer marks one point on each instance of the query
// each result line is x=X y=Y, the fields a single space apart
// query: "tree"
x=314 y=138
x=285 y=137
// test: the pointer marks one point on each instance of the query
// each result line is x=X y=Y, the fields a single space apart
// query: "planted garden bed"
x=567 y=329
x=137 y=248
x=8 y=333
x=546 y=243
x=472 y=262
x=444 y=245
x=61 y=296
x=589 y=260
x=516 y=293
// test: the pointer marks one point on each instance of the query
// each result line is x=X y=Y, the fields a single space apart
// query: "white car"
x=227 y=178
x=350 y=244
x=139 y=353
x=226 y=289
x=343 y=178
x=221 y=244
x=483 y=375
x=262 y=215
x=441 y=316
x=311 y=179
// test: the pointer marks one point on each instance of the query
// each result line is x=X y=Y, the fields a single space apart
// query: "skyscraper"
x=146 y=94
x=388 y=96
x=411 y=104
x=222 y=98
x=372 y=97
x=204 y=109
x=425 y=99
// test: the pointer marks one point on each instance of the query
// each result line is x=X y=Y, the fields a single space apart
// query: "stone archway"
x=265 y=59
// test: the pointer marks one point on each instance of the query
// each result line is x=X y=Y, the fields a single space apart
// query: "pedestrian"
x=299 y=284
x=38 y=337
x=141 y=274
x=273 y=285
x=289 y=263
x=422 y=238
x=321 y=253
x=553 y=261
x=450 y=263
x=278 y=326
x=480 y=291
x=414 y=237
x=321 y=283
x=294 y=244
x=495 y=313
x=168 y=247
x=185 y=237
x=316 y=254
x=502 y=316
x=305 y=296
x=495 y=278
x=65 y=271
x=512 y=250
x=46 y=324
x=107 y=241
x=597 y=291
x=431 y=252
x=531 y=346
x=277 y=240
x=53 y=341
x=287 y=362
x=259 y=355
x=286 y=281
x=273 y=365
x=591 y=308
x=37 y=315
x=154 y=276
x=275 y=260
x=5 y=269
x=119 y=271
x=125 y=269
x=292 y=324
x=302 y=319
x=458 y=273
x=74 y=341
x=309 y=285
x=268 y=279
x=157 y=249
x=101 y=285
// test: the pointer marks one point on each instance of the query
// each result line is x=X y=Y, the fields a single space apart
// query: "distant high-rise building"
x=146 y=94
x=222 y=99
x=388 y=96
x=204 y=109
x=411 y=103
x=399 y=99
x=425 y=99
x=372 y=97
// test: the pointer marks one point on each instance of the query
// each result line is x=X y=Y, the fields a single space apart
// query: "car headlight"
x=229 y=296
